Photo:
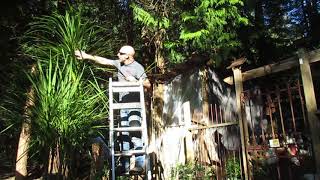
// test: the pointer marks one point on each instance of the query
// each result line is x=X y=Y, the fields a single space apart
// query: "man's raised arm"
x=96 y=59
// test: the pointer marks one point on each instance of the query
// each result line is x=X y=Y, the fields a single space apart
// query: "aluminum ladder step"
x=130 y=152
x=128 y=129
x=126 y=89
x=136 y=105
x=125 y=84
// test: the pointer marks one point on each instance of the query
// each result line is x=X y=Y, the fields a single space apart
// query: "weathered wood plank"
x=314 y=56
x=311 y=105
x=213 y=126
x=188 y=139
x=239 y=89
x=205 y=96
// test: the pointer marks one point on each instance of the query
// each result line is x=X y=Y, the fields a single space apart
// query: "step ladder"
x=116 y=130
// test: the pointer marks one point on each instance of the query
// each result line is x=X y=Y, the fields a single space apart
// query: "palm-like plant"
x=66 y=110
x=68 y=102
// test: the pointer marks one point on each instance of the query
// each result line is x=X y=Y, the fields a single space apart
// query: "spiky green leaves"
x=68 y=32
x=69 y=103
x=66 y=106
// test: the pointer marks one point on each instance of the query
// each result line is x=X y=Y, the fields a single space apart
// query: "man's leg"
x=136 y=138
x=125 y=140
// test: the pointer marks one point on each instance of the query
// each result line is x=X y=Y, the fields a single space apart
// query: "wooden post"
x=311 y=105
x=157 y=108
x=188 y=139
x=97 y=161
x=242 y=122
x=205 y=96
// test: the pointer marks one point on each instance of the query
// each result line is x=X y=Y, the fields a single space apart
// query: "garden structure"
x=278 y=118
x=266 y=128
x=256 y=131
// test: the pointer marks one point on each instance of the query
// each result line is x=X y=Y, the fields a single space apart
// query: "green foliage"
x=260 y=169
x=53 y=33
x=70 y=107
x=148 y=19
x=233 y=168
x=198 y=26
x=192 y=171
x=11 y=109
x=211 y=26
x=12 y=98
x=66 y=107
x=110 y=25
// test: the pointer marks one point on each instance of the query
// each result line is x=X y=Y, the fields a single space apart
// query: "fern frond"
x=148 y=19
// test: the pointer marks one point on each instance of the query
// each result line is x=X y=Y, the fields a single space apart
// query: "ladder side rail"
x=145 y=132
x=111 y=130
x=143 y=115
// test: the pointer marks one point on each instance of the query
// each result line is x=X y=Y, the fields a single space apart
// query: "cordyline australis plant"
x=69 y=104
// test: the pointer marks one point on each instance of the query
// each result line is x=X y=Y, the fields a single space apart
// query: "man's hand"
x=131 y=79
x=80 y=54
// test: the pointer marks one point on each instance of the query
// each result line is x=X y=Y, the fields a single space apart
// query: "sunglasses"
x=121 y=53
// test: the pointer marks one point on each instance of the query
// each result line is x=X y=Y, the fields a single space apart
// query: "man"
x=128 y=70
x=131 y=70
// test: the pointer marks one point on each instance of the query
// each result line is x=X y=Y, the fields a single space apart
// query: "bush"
x=192 y=171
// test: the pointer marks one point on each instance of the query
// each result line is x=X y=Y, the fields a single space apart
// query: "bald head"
x=127 y=50
x=126 y=54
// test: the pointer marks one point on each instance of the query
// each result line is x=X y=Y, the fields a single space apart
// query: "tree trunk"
x=314 y=21
x=259 y=21
x=54 y=166
x=158 y=89
x=24 y=139
x=22 y=154
x=129 y=24
x=97 y=161
x=306 y=20
x=158 y=52
x=259 y=29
